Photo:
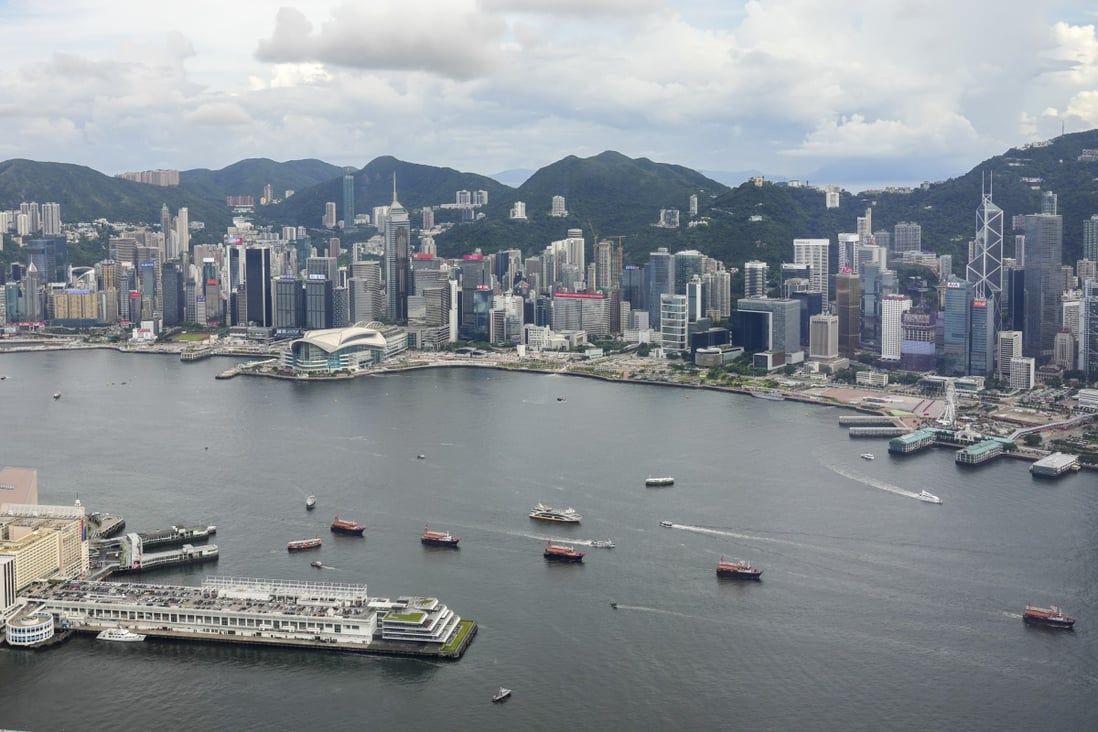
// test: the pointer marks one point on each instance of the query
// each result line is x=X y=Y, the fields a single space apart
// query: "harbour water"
x=875 y=610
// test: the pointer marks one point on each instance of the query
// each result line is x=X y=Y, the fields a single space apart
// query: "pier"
x=318 y=615
x=1055 y=465
x=174 y=536
x=980 y=453
x=863 y=420
x=911 y=443
x=196 y=354
x=876 y=431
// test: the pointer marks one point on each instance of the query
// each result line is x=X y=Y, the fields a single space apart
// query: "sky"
x=861 y=92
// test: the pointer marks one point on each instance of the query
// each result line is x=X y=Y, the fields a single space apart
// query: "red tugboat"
x=343 y=526
x=737 y=570
x=558 y=553
x=303 y=544
x=1052 y=617
x=439 y=538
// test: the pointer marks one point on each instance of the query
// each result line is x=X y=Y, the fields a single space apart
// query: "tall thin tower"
x=985 y=268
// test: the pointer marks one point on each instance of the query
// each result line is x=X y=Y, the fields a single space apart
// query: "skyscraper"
x=1010 y=348
x=257 y=281
x=51 y=219
x=985 y=267
x=981 y=342
x=367 y=302
x=823 y=336
x=1043 y=284
x=814 y=253
x=660 y=276
x=848 y=295
x=754 y=278
x=398 y=232
x=907 y=236
x=892 y=309
x=673 y=322
x=329 y=220
x=1088 y=330
x=958 y=312
x=349 y=202
x=1048 y=203
x=848 y=247
x=1090 y=238
x=182 y=233
x=171 y=249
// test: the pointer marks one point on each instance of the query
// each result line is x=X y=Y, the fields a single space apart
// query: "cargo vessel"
x=737 y=569
x=658 y=482
x=439 y=538
x=560 y=553
x=1052 y=617
x=343 y=526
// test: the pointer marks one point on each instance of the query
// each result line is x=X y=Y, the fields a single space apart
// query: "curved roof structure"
x=331 y=340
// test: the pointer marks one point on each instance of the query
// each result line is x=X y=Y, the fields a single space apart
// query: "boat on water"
x=1052 y=617
x=666 y=524
x=421 y=456
x=772 y=394
x=561 y=553
x=868 y=456
x=439 y=538
x=614 y=604
x=501 y=695
x=542 y=512
x=603 y=543
x=343 y=526
x=120 y=635
x=310 y=503
x=561 y=399
x=57 y=395
x=317 y=563
x=302 y=544
x=928 y=497
x=656 y=482
x=737 y=569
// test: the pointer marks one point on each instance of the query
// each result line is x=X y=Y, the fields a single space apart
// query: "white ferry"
x=121 y=635
x=868 y=456
x=928 y=497
x=603 y=543
x=542 y=512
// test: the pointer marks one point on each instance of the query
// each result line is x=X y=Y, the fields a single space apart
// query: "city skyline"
x=717 y=87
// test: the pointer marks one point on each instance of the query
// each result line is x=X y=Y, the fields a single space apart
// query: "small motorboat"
x=657 y=482
x=57 y=395
x=561 y=399
x=614 y=604
x=421 y=456
x=318 y=564
x=310 y=503
x=666 y=524
x=3 y=378
x=928 y=497
x=603 y=543
x=501 y=695
x=868 y=456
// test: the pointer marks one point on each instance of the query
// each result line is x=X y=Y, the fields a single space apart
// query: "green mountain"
x=86 y=194
x=247 y=177
x=606 y=194
x=417 y=186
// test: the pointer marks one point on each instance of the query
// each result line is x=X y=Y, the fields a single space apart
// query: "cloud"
x=445 y=41
x=219 y=114
x=585 y=8
x=856 y=137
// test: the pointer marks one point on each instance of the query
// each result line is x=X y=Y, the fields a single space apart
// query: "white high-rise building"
x=22 y=224
x=755 y=275
x=813 y=252
x=1022 y=373
x=893 y=308
x=1071 y=309
x=848 y=251
x=518 y=211
x=329 y=221
x=51 y=219
x=831 y=197
x=865 y=227
x=1009 y=348
x=693 y=205
x=557 y=208
x=673 y=323
x=183 y=231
